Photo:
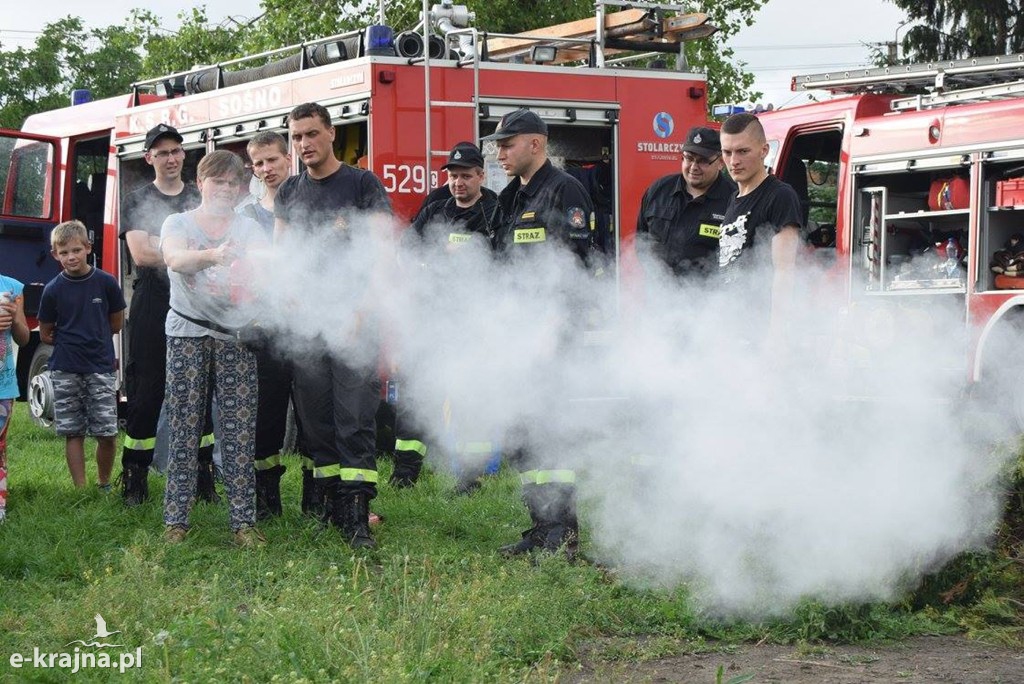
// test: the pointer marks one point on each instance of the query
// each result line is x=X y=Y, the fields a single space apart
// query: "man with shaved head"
x=762 y=223
x=542 y=208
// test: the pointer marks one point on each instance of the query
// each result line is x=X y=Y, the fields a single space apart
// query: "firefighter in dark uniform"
x=335 y=401
x=681 y=214
x=542 y=208
x=467 y=212
x=143 y=216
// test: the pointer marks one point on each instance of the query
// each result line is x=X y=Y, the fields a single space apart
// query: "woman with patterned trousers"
x=200 y=247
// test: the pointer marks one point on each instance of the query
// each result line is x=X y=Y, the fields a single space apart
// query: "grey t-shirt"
x=207 y=294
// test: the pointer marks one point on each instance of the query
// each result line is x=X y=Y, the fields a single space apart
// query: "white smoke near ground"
x=827 y=463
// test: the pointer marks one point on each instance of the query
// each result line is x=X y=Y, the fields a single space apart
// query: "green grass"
x=433 y=603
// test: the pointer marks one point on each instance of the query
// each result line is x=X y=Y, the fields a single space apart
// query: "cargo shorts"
x=84 y=404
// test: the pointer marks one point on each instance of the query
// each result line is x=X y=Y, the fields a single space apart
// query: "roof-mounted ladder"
x=574 y=43
x=933 y=84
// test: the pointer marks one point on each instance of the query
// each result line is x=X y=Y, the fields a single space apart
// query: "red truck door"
x=29 y=208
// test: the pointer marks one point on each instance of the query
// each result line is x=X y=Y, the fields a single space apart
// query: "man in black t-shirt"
x=762 y=223
x=336 y=402
x=142 y=217
x=469 y=213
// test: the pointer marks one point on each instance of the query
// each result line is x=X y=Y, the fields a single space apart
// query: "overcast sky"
x=789 y=37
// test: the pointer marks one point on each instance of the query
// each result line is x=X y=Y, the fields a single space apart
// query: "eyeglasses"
x=699 y=161
x=167 y=154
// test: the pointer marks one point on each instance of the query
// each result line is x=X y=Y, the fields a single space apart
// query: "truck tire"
x=40 y=389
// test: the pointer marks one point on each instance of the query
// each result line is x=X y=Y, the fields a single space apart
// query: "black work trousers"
x=336 y=405
x=145 y=374
x=275 y=389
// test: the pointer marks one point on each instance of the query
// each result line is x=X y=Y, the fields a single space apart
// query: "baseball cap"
x=703 y=141
x=161 y=131
x=518 y=122
x=465 y=155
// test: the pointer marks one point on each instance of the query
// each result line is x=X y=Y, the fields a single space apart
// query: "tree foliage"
x=196 y=42
x=66 y=56
x=955 y=29
x=727 y=80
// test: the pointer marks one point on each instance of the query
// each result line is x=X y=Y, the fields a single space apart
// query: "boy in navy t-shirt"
x=80 y=311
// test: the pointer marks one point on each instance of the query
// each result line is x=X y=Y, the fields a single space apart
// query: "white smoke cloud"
x=757 y=473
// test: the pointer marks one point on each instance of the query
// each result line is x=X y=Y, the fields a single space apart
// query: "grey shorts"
x=84 y=404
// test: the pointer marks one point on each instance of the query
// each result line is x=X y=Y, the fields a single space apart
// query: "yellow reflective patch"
x=524 y=235
x=528 y=215
x=459 y=237
x=708 y=230
x=140 y=444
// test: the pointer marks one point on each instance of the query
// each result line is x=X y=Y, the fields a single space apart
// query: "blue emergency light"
x=727 y=109
x=80 y=96
x=379 y=41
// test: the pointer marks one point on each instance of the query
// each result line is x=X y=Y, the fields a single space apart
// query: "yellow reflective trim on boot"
x=358 y=475
x=268 y=462
x=327 y=471
x=528 y=477
x=207 y=440
x=306 y=462
x=139 y=444
x=556 y=477
x=411 y=445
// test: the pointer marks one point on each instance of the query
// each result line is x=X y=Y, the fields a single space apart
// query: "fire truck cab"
x=917 y=201
x=397 y=107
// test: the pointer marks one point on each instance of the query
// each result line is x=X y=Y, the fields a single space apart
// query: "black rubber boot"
x=407 y=469
x=268 y=492
x=533 y=538
x=555 y=527
x=563 y=530
x=469 y=478
x=134 y=484
x=350 y=513
x=205 y=489
x=314 y=497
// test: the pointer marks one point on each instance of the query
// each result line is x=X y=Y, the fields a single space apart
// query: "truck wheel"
x=40 y=389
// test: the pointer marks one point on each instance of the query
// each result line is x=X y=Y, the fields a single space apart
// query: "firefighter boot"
x=205 y=489
x=534 y=537
x=134 y=484
x=314 y=497
x=555 y=527
x=268 y=492
x=350 y=513
x=469 y=478
x=562 y=532
x=407 y=469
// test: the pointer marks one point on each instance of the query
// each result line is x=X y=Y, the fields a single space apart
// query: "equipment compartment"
x=905 y=246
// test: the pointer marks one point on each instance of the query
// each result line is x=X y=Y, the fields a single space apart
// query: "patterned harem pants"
x=193 y=363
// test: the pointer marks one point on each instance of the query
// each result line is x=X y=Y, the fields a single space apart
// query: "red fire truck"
x=918 y=200
x=397 y=108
